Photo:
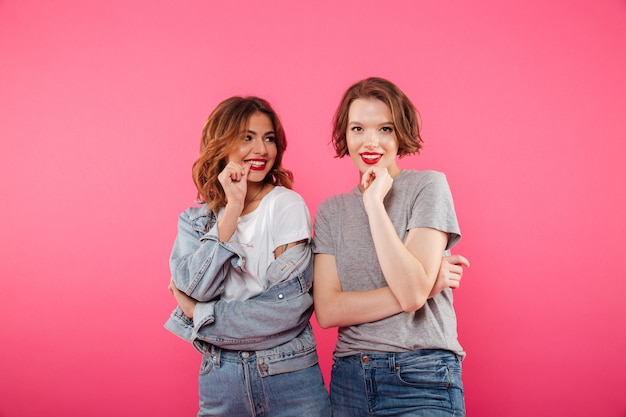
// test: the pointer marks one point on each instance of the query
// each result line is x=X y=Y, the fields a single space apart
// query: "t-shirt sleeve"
x=433 y=207
x=292 y=221
x=322 y=235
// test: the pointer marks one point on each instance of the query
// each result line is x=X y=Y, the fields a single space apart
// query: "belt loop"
x=392 y=362
x=215 y=355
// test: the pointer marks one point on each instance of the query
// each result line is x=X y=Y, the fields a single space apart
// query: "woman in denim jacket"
x=242 y=272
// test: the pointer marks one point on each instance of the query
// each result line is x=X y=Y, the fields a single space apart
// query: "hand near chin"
x=233 y=179
x=376 y=183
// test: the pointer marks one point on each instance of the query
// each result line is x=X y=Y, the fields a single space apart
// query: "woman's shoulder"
x=282 y=200
x=285 y=195
x=195 y=212
x=198 y=217
x=412 y=178
x=426 y=174
x=337 y=200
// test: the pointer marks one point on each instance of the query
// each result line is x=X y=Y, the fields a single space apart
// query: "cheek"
x=272 y=151
x=239 y=153
x=391 y=143
x=351 y=143
x=233 y=157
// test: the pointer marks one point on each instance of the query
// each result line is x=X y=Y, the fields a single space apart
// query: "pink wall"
x=101 y=106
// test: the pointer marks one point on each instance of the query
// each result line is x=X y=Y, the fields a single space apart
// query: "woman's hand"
x=450 y=273
x=233 y=179
x=186 y=303
x=376 y=183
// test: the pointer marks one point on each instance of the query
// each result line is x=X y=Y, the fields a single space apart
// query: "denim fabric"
x=299 y=353
x=199 y=262
x=269 y=319
x=272 y=317
x=249 y=393
x=275 y=323
x=425 y=383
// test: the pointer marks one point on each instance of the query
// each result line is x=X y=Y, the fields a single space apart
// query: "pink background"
x=101 y=107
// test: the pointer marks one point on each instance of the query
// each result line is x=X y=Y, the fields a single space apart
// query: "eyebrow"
x=356 y=122
x=269 y=132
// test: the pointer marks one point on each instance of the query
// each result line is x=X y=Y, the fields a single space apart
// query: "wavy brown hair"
x=222 y=133
x=403 y=113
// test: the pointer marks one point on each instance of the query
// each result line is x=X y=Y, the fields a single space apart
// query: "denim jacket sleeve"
x=199 y=262
x=270 y=319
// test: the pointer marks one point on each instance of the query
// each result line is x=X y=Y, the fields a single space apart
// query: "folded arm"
x=411 y=267
x=336 y=308
x=271 y=318
x=199 y=262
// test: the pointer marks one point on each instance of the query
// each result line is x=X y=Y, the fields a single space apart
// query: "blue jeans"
x=425 y=383
x=230 y=385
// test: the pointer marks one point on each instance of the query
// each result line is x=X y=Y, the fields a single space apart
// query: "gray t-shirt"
x=416 y=199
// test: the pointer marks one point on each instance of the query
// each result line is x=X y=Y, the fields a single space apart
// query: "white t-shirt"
x=281 y=217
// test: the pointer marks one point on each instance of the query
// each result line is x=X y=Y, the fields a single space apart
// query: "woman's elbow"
x=410 y=305
x=324 y=320
x=324 y=324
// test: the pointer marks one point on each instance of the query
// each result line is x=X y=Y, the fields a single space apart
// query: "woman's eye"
x=387 y=129
x=356 y=128
x=248 y=138
x=270 y=139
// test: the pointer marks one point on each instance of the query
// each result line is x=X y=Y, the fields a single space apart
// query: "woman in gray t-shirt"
x=379 y=250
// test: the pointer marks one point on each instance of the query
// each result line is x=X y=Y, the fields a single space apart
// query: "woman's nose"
x=371 y=139
x=259 y=146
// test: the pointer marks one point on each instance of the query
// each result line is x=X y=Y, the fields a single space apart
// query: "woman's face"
x=257 y=148
x=371 y=136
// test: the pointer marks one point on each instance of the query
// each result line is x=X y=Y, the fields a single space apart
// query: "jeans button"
x=365 y=359
x=245 y=355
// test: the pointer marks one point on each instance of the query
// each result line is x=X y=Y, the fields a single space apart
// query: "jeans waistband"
x=218 y=354
x=389 y=360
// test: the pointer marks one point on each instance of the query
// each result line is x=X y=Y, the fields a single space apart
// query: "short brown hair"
x=404 y=115
x=225 y=126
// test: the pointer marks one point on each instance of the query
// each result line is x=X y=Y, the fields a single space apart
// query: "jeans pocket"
x=206 y=365
x=430 y=374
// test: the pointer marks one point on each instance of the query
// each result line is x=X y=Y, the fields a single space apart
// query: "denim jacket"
x=274 y=323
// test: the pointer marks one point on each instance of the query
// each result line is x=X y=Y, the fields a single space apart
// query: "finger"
x=364 y=179
x=454 y=284
x=225 y=175
x=458 y=260
x=368 y=177
x=245 y=169
x=454 y=279
x=455 y=270
x=236 y=172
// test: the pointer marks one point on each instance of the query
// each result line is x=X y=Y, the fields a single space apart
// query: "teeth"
x=257 y=163
x=371 y=157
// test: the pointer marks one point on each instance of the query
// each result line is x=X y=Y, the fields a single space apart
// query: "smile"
x=257 y=164
x=371 y=158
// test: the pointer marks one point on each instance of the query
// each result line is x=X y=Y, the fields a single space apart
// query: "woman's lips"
x=371 y=158
x=257 y=164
